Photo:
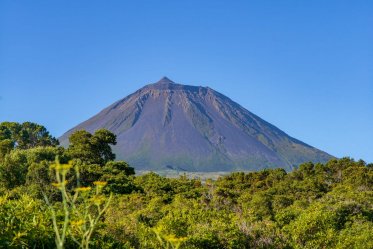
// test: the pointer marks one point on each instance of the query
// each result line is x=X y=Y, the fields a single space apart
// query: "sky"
x=304 y=66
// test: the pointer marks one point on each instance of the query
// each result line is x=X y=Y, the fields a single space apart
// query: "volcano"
x=173 y=126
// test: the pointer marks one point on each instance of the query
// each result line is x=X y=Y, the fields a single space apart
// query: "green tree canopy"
x=23 y=136
x=19 y=165
x=92 y=148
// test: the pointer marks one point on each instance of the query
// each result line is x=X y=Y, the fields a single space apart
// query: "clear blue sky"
x=304 y=66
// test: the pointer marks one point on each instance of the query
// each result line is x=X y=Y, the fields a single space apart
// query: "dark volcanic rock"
x=167 y=125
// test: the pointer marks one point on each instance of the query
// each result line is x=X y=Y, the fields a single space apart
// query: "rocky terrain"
x=169 y=126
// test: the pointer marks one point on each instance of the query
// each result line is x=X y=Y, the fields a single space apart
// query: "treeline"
x=315 y=206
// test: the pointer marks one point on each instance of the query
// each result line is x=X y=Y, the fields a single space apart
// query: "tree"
x=23 y=136
x=20 y=165
x=93 y=155
x=118 y=176
x=6 y=142
x=6 y=146
x=92 y=148
x=13 y=169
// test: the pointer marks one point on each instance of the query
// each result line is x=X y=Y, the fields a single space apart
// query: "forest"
x=81 y=197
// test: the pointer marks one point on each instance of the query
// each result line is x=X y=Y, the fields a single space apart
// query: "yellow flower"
x=99 y=183
x=83 y=189
x=66 y=166
x=77 y=223
x=59 y=166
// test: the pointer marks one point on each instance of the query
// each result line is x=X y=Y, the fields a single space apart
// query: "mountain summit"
x=165 y=80
x=167 y=125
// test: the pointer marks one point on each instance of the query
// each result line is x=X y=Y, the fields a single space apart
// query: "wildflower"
x=100 y=183
x=59 y=166
x=77 y=223
x=83 y=189
x=64 y=166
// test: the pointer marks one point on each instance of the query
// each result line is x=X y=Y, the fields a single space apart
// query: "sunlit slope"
x=172 y=126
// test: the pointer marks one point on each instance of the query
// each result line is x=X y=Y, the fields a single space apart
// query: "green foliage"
x=6 y=145
x=315 y=206
x=26 y=135
x=20 y=166
x=24 y=223
x=23 y=145
x=92 y=148
x=324 y=223
x=81 y=211
x=117 y=174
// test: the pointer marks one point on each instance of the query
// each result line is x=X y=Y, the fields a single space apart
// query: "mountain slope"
x=167 y=125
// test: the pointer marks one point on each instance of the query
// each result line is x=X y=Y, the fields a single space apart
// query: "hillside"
x=172 y=126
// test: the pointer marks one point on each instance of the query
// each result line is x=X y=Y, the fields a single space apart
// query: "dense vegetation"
x=315 y=206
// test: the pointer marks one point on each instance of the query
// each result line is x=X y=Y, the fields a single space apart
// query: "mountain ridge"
x=169 y=125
